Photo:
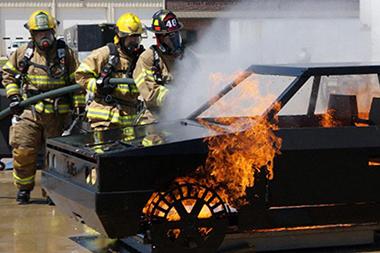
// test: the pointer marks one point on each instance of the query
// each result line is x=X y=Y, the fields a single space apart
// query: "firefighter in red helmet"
x=153 y=69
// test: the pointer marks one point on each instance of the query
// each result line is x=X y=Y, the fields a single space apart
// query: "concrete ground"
x=39 y=228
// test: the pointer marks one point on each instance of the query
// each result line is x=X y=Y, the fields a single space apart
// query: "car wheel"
x=188 y=218
x=2 y=166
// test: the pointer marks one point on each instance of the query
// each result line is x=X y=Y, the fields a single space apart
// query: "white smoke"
x=267 y=32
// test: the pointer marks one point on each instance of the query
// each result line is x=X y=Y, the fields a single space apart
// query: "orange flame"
x=247 y=149
x=328 y=120
x=234 y=160
x=239 y=151
x=172 y=205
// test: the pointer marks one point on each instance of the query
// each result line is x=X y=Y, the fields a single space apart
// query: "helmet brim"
x=150 y=29
x=123 y=34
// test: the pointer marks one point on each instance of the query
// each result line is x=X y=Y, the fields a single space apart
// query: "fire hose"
x=57 y=93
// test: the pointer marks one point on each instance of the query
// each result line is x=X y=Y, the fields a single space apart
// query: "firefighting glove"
x=14 y=104
x=79 y=111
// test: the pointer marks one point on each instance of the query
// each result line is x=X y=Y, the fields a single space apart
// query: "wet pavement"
x=37 y=227
x=40 y=228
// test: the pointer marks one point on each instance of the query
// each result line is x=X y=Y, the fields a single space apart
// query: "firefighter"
x=43 y=64
x=113 y=105
x=154 y=68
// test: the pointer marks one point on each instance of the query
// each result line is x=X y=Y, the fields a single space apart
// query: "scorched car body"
x=324 y=175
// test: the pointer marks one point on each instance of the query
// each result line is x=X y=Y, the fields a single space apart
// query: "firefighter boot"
x=23 y=197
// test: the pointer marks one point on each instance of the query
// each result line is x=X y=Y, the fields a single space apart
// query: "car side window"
x=364 y=87
x=299 y=103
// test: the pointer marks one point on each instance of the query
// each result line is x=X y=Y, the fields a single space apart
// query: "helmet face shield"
x=136 y=38
x=173 y=43
x=130 y=44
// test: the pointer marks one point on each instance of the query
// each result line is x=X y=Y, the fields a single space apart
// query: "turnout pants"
x=27 y=138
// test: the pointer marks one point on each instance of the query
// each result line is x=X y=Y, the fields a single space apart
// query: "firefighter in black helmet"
x=153 y=69
x=166 y=27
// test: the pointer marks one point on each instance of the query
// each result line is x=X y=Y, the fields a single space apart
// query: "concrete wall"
x=301 y=31
x=301 y=40
x=371 y=18
x=289 y=31
x=279 y=31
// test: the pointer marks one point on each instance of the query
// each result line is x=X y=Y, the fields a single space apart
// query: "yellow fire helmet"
x=41 y=20
x=128 y=24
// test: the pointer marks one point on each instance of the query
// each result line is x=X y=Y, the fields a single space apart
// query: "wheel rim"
x=188 y=217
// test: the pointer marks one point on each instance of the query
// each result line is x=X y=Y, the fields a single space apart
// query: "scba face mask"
x=130 y=45
x=44 y=39
x=171 y=43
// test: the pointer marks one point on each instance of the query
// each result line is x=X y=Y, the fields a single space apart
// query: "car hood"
x=133 y=138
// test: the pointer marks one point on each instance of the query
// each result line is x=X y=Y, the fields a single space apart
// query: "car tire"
x=168 y=235
x=2 y=166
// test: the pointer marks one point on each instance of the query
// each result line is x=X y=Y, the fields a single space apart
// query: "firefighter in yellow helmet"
x=113 y=105
x=154 y=68
x=43 y=64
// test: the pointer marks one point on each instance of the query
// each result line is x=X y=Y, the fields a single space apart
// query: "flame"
x=328 y=120
x=243 y=148
x=188 y=200
x=173 y=215
x=301 y=228
x=173 y=233
x=184 y=197
x=246 y=149
x=205 y=231
x=234 y=160
x=248 y=99
x=363 y=115
x=374 y=162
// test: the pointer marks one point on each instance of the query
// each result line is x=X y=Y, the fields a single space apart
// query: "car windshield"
x=250 y=98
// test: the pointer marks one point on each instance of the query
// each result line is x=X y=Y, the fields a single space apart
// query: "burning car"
x=282 y=146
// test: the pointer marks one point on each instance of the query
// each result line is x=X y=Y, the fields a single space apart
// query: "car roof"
x=317 y=68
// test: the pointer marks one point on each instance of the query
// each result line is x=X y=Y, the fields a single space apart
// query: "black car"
x=153 y=179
